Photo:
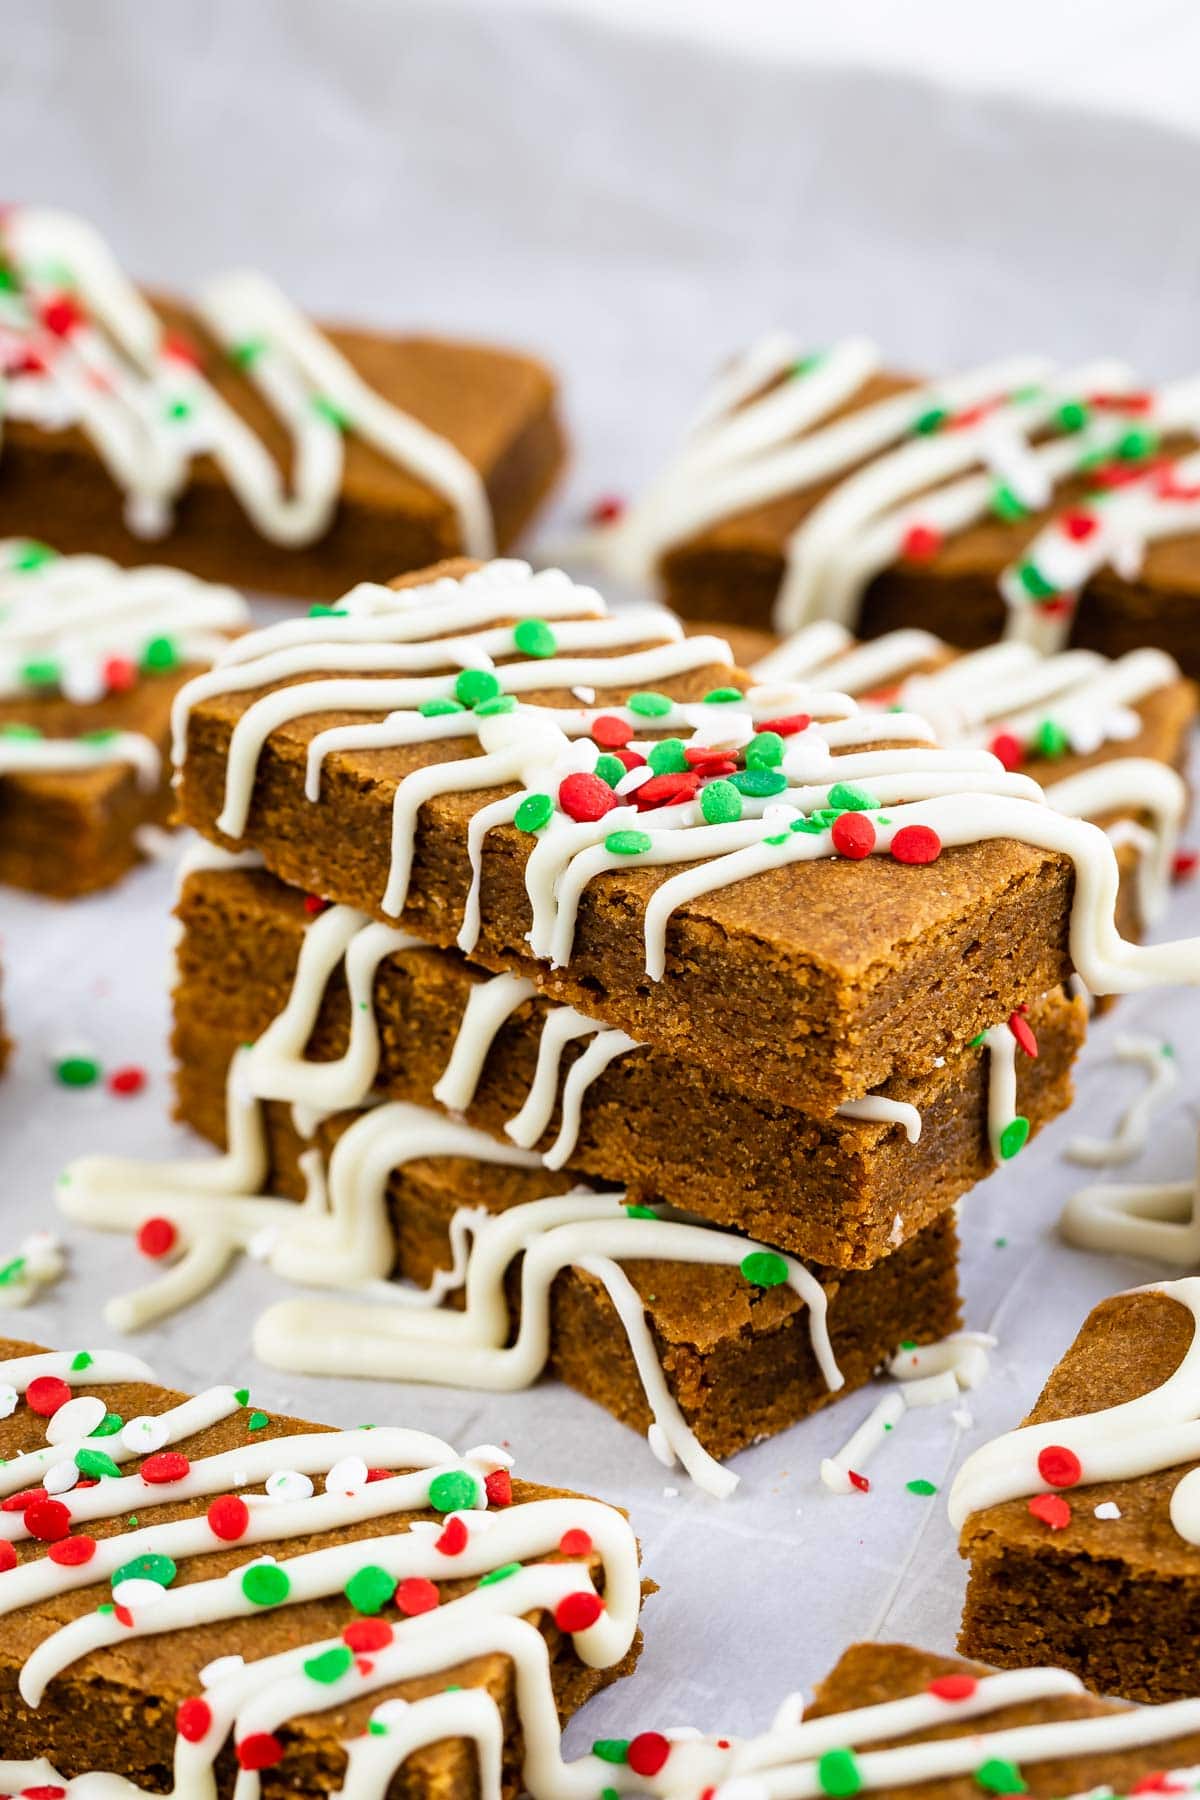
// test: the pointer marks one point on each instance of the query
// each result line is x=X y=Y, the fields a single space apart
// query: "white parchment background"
x=634 y=202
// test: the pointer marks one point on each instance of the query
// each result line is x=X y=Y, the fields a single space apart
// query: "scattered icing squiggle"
x=38 y=1263
x=927 y=1375
x=1129 y=1139
x=1155 y=1219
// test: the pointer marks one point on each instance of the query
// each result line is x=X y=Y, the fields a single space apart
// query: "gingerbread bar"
x=91 y=658
x=1081 y=1527
x=1084 y=726
x=242 y=442
x=725 y=906
x=193 y=1584
x=844 y=1191
x=1054 y=505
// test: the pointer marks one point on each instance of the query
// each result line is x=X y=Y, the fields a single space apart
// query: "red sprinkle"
x=632 y=759
x=858 y=1481
x=123 y=1616
x=1078 y=525
x=1008 y=749
x=648 y=1751
x=8 y=1556
x=127 y=1081
x=48 y=1520
x=853 y=835
x=610 y=732
x=916 y=844
x=667 y=790
x=575 y=1543
x=261 y=1750
x=920 y=543
x=498 y=1487
x=585 y=797
x=180 y=349
x=1183 y=863
x=707 y=761
x=228 y=1517
x=1052 y=1510
x=575 y=1612
x=786 y=727
x=1059 y=1466
x=417 y=1595
x=607 y=510
x=165 y=1466
x=72 y=1552
x=1023 y=1032
x=365 y=1635
x=18 y=1502
x=120 y=675
x=46 y=1394
x=61 y=315
x=453 y=1540
x=952 y=1687
x=379 y=1475
x=193 y=1719
x=313 y=904
x=43 y=1793
x=1134 y=402
x=157 y=1237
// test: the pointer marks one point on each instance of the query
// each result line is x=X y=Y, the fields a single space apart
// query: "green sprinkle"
x=627 y=843
x=40 y=672
x=764 y=751
x=245 y=354
x=321 y=609
x=811 y=826
x=1072 y=416
x=178 y=409
x=132 y=1520
x=609 y=1793
x=160 y=654
x=369 y=1589
x=376 y=1728
x=533 y=637
x=1166 y=1050
x=474 y=685
x=95 y=1463
x=22 y=733
x=439 y=709
x=725 y=696
x=82 y=1360
x=759 y=784
x=640 y=1212
x=609 y=769
x=926 y=423
x=534 y=812
x=1136 y=444
x=1006 y=504
x=105 y=1608
x=325 y=408
x=921 y=1487
x=29 y=554
x=999 y=1776
x=78 y=1071
x=764 y=1268
x=242 y=1396
x=499 y=703
x=779 y=837
x=908 y=1343
x=109 y=1425
x=147 y=1568
x=330 y=1665
x=103 y=735
x=1014 y=1137
x=12 y=1271
x=266 y=1584
x=258 y=1421
x=1050 y=739
x=650 y=705
x=667 y=757
x=807 y=364
x=976 y=1041
x=1034 y=582
x=837 y=1772
x=453 y=1490
x=850 y=799
x=501 y=1574
x=611 y=1750
x=720 y=802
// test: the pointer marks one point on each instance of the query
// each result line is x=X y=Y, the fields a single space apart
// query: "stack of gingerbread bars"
x=653 y=1016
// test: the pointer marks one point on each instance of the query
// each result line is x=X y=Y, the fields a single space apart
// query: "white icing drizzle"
x=926 y=1375
x=113 y=371
x=962 y=795
x=1129 y=1138
x=23 y=753
x=39 y=1262
x=878 y=1106
x=1154 y=1219
x=1156 y=1431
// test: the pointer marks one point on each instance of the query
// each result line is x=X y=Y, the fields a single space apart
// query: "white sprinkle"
x=670 y=1493
x=219 y=1668
x=144 y=1435
x=9 y=1399
x=61 y=1477
x=77 y=1419
x=634 y=779
x=586 y=694
x=349 y=1476
x=137 y=1592
x=288 y=1484
x=262 y=1244
x=963 y=1417
x=1108 y=1509
x=390 y=1712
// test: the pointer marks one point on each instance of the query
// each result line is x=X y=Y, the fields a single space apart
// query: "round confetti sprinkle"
x=365 y=1636
x=151 y=1567
x=157 y=1237
x=764 y=1268
x=916 y=844
x=76 y=1418
x=77 y=1071
x=8 y=1556
x=261 y=1750
x=853 y=836
x=765 y=751
x=999 y=1776
x=192 y=1719
x=1050 y=739
x=610 y=732
x=229 y=1518
x=1058 y=1466
x=611 y=1750
x=496 y=706
x=45 y=1394
x=953 y=1687
x=127 y=1081
x=165 y=1466
x=575 y=1612
x=416 y=1595
x=585 y=798
x=920 y=543
x=288 y=1484
x=667 y=790
x=160 y=655
x=575 y=1542
x=1014 y=1137
x=723 y=696
x=650 y=706
x=837 y=1773
x=609 y=769
x=921 y=1487
x=144 y=1435
x=534 y=813
x=440 y=709
x=453 y=1490
x=48 y=1520
x=1007 y=749
x=667 y=757
x=474 y=685
x=454 y=1538
x=72 y=1552
x=533 y=637
x=95 y=1464
x=648 y=1751
x=1052 y=1510
x=370 y=1588
x=330 y=1665
x=759 y=784
x=266 y=1584
x=627 y=843
x=498 y=1488
x=720 y=803
x=844 y=797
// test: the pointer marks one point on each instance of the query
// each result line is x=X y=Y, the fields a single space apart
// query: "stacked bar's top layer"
x=91 y=658
x=1090 y=1509
x=749 y=926
x=242 y=440
x=151 y=1542
x=987 y=501
x=843 y=1191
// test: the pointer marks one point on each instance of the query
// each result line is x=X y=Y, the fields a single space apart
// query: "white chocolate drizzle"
x=1129 y=1139
x=80 y=346
x=1158 y=1219
x=925 y=1375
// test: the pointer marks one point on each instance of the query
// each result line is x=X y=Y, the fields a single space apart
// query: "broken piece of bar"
x=1082 y=1527
x=249 y=443
x=91 y=658
x=193 y=1584
x=757 y=894
x=842 y=1191
x=1052 y=504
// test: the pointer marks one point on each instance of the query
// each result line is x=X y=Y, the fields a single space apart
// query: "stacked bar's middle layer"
x=843 y=1192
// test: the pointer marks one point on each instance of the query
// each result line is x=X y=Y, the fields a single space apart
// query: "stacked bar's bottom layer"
x=738 y=1359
